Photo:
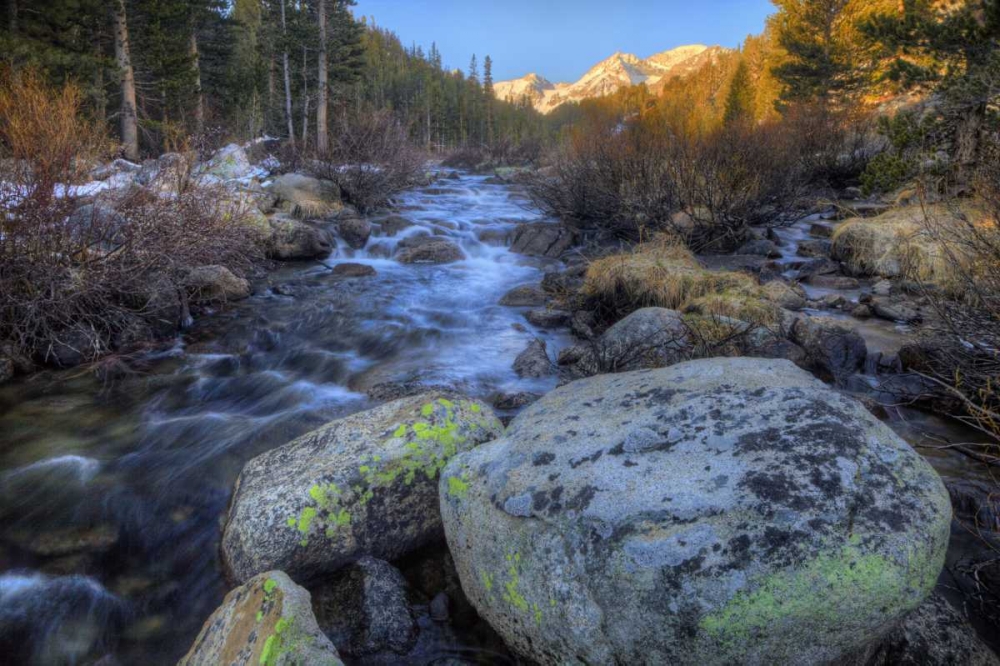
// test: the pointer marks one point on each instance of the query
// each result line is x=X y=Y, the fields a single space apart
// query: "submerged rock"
x=715 y=512
x=361 y=485
x=364 y=611
x=267 y=622
x=350 y=270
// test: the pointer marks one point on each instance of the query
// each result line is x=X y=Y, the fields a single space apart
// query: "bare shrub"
x=88 y=278
x=961 y=353
x=372 y=159
x=654 y=173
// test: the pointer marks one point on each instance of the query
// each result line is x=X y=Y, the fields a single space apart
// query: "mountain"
x=608 y=76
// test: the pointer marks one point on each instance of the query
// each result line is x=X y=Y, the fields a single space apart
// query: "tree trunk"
x=288 y=77
x=322 y=100
x=12 y=16
x=199 y=97
x=128 y=120
x=305 y=98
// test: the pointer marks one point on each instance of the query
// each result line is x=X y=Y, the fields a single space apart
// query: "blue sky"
x=561 y=39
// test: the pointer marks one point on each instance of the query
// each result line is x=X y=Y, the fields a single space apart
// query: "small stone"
x=439 y=607
x=527 y=295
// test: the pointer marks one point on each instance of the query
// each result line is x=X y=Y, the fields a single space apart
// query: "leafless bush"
x=88 y=278
x=372 y=159
x=961 y=352
x=649 y=175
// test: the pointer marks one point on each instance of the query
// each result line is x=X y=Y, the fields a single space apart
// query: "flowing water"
x=111 y=495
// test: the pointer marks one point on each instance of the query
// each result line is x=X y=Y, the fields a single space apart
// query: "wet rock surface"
x=718 y=511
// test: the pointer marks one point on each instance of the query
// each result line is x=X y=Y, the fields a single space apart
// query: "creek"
x=112 y=492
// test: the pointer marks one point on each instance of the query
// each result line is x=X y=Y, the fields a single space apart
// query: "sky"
x=562 y=39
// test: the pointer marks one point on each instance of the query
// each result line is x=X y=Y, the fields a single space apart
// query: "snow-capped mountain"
x=608 y=76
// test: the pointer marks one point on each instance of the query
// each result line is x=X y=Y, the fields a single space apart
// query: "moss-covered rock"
x=714 y=512
x=361 y=485
x=266 y=622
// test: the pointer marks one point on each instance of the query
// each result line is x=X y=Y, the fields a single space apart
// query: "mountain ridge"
x=608 y=76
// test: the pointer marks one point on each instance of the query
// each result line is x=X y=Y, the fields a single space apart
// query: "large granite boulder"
x=266 y=622
x=715 y=512
x=362 y=485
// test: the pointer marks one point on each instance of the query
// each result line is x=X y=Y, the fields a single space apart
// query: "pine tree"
x=123 y=56
x=740 y=101
x=818 y=64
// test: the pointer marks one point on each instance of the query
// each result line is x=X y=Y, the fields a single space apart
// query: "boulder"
x=354 y=229
x=228 y=163
x=935 y=634
x=267 y=621
x=760 y=248
x=548 y=318
x=393 y=224
x=895 y=311
x=99 y=225
x=304 y=197
x=533 y=361
x=428 y=250
x=361 y=485
x=838 y=282
x=787 y=295
x=815 y=248
x=353 y=270
x=243 y=207
x=527 y=295
x=882 y=288
x=365 y=612
x=560 y=283
x=833 y=350
x=647 y=338
x=715 y=512
x=74 y=346
x=542 y=239
x=293 y=240
x=214 y=284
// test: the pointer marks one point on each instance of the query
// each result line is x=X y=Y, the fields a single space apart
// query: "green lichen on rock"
x=430 y=444
x=275 y=645
x=457 y=486
x=820 y=593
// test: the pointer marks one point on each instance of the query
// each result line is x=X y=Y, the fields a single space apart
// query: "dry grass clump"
x=663 y=273
x=898 y=244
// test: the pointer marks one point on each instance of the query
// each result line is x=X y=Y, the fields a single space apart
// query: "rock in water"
x=715 y=512
x=268 y=622
x=428 y=250
x=291 y=240
x=361 y=485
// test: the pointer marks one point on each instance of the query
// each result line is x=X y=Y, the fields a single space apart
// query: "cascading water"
x=112 y=494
